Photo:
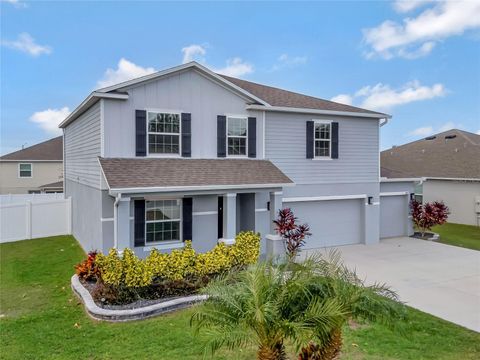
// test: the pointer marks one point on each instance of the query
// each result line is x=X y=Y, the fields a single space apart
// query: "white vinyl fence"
x=23 y=217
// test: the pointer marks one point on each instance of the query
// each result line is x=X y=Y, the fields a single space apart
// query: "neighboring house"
x=35 y=169
x=186 y=153
x=448 y=164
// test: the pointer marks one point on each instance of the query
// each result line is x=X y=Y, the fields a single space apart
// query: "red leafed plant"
x=88 y=269
x=428 y=215
x=293 y=233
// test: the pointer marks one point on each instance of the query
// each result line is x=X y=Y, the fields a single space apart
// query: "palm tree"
x=252 y=307
x=306 y=303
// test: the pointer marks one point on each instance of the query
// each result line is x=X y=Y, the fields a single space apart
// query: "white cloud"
x=383 y=97
x=193 y=52
x=403 y=6
x=416 y=36
x=26 y=43
x=235 y=67
x=16 y=3
x=430 y=130
x=478 y=132
x=422 y=131
x=286 y=60
x=126 y=70
x=49 y=119
x=343 y=99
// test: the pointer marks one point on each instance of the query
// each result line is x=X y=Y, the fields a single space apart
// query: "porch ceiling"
x=138 y=174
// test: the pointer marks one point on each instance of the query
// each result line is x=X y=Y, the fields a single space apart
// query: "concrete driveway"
x=439 y=279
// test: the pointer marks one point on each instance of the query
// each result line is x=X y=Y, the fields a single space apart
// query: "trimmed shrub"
x=131 y=272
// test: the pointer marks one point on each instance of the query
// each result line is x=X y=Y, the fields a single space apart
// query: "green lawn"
x=42 y=319
x=466 y=236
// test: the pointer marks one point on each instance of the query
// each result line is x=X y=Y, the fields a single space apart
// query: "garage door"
x=332 y=222
x=393 y=213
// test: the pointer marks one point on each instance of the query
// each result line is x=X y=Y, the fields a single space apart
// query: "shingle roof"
x=450 y=154
x=147 y=173
x=279 y=97
x=48 y=150
x=54 y=185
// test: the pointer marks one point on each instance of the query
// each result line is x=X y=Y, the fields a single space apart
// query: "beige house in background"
x=36 y=169
x=448 y=168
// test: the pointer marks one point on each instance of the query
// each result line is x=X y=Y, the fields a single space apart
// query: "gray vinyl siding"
x=358 y=149
x=82 y=141
x=188 y=92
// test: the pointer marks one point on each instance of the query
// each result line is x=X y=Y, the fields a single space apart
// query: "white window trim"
x=166 y=242
x=234 y=136
x=329 y=157
x=31 y=171
x=175 y=112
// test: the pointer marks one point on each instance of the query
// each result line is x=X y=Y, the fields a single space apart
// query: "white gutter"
x=115 y=220
x=116 y=191
x=385 y=121
x=90 y=100
x=317 y=111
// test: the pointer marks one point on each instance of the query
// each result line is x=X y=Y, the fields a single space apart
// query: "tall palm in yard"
x=306 y=303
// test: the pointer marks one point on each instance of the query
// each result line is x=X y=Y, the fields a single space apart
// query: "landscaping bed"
x=125 y=282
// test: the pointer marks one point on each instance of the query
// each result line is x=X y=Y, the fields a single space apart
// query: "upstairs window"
x=162 y=220
x=25 y=170
x=322 y=139
x=237 y=136
x=163 y=133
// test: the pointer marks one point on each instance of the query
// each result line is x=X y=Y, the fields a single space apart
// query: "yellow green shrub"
x=130 y=271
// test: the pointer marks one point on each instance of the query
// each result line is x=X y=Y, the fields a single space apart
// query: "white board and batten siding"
x=25 y=219
x=82 y=148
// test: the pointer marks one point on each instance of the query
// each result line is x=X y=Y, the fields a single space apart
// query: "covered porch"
x=205 y=201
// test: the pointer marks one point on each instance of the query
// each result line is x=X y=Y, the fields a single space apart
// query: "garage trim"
x=396 y=193
x=324 y=198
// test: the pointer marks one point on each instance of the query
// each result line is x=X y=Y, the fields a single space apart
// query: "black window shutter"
x=140 y=132
x=252 y=137
x=187 y=218
x=310 y=140
x=139 y=222
x=186 y=135
x=334 y=140
x=221 y=136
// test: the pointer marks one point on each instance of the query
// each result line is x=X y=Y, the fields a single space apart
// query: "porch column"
x=229 y=218
x=275 y=205
x=123 y=224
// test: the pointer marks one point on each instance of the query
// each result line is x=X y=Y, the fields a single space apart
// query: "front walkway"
x=439 y=279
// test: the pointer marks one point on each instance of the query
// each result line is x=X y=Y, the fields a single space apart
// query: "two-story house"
x=186 y=153
x=34 y=169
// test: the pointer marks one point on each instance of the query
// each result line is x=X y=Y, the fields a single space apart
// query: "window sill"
x=165 y=246
x=163 y=156
x=322 y=158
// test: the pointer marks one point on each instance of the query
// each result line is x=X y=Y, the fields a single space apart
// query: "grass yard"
x=42 y=319
x=467 y=236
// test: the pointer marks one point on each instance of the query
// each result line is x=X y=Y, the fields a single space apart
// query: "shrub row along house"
x=186 y=153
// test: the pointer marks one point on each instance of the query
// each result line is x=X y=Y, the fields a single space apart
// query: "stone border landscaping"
x=140 y=313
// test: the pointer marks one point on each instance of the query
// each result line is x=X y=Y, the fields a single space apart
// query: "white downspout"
x=115 y=220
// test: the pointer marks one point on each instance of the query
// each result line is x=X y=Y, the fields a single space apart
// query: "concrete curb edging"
x=98 y=313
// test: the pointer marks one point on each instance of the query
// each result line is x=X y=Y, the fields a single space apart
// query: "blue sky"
x=417 y=60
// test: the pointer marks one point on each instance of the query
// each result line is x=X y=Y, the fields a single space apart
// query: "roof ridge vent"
x=431 y=137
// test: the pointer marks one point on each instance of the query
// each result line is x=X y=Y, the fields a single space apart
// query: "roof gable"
x=50 y=150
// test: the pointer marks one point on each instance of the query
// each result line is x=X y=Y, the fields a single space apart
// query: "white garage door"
x=393 y=213
x=332 y=222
